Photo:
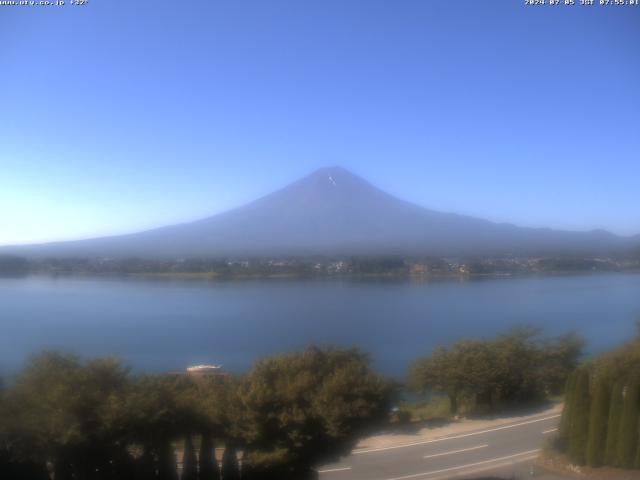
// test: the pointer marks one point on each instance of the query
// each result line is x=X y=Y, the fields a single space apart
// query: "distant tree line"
x=487 y=375
x=12 y=265
x=309 y=266
x=378 y=265
x=601 y=419
x=95 y=420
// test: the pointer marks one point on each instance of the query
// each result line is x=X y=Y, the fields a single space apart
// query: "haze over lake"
x=158 y=325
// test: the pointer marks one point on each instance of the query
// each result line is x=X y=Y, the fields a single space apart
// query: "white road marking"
x=330 y=470
x=456 y=451
x=381 y=449
x=495 y=466
x=551 y=430
x=461 y=467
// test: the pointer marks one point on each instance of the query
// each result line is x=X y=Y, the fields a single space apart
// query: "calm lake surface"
x=157 y=325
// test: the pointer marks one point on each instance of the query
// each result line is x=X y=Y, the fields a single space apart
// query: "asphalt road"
x=507 y=449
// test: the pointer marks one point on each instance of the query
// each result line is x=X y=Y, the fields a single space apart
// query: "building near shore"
x=201 y=371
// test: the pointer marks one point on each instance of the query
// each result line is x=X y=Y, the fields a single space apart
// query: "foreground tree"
x=613 y=424
x=303 y=409
x=207 y=465
x=564 y=430
x=597 y=434
x=155 y=421
x=67 y=413
x=580 y=419
x=15 y=465
x=628 y=437
x=93 y=421
x=558 y=358
x=230 y=469
x=447 y=371
x=512 y=369
x=189 y=461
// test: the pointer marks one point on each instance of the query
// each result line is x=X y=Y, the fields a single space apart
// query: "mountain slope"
x=333 y=211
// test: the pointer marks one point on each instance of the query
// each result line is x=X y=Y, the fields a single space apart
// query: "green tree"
x=167 y=468
x=580 y=418
x=465 y=372
x=208 y=467
x=189 y=461
x=305 y=408
x=512 y=369
x=230 y=469
x=628 y=438
x=613 y=431
x=13 y=464
x=68 y=413
x=438 y=373
x=564 y=430
x=598 y=417
x=558 y=358
x=518 y=358
x=222 y=418
x=155 y=418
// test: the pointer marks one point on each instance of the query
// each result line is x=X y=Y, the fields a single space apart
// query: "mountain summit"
x=332 y=211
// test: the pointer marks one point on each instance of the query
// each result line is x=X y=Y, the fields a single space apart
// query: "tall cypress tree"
x=145 y=466
x=189 y=461
x=579 y=430
x=63 y=470
x=613 y=428
x=23 y=470
x=565 y=420
x=598 y=418
x=229 y=463
x=208 y=465
x=167 y=469
x=628 y=439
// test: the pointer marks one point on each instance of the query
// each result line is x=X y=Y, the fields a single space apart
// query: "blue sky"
x=121 y=116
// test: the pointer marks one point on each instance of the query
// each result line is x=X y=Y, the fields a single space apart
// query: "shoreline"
x=395 y=277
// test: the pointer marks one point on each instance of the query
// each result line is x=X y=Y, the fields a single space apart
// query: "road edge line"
x=454 y=437
x=461 y=467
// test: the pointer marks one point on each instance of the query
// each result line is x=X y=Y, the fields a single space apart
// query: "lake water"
x=157 y=325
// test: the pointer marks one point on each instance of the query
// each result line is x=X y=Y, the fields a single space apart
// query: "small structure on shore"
x=201 y=371
x=205 y=370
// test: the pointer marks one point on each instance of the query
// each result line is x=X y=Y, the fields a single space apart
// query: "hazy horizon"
x=493 y=110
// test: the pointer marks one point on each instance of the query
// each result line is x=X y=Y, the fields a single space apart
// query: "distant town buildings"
x=314 y=266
